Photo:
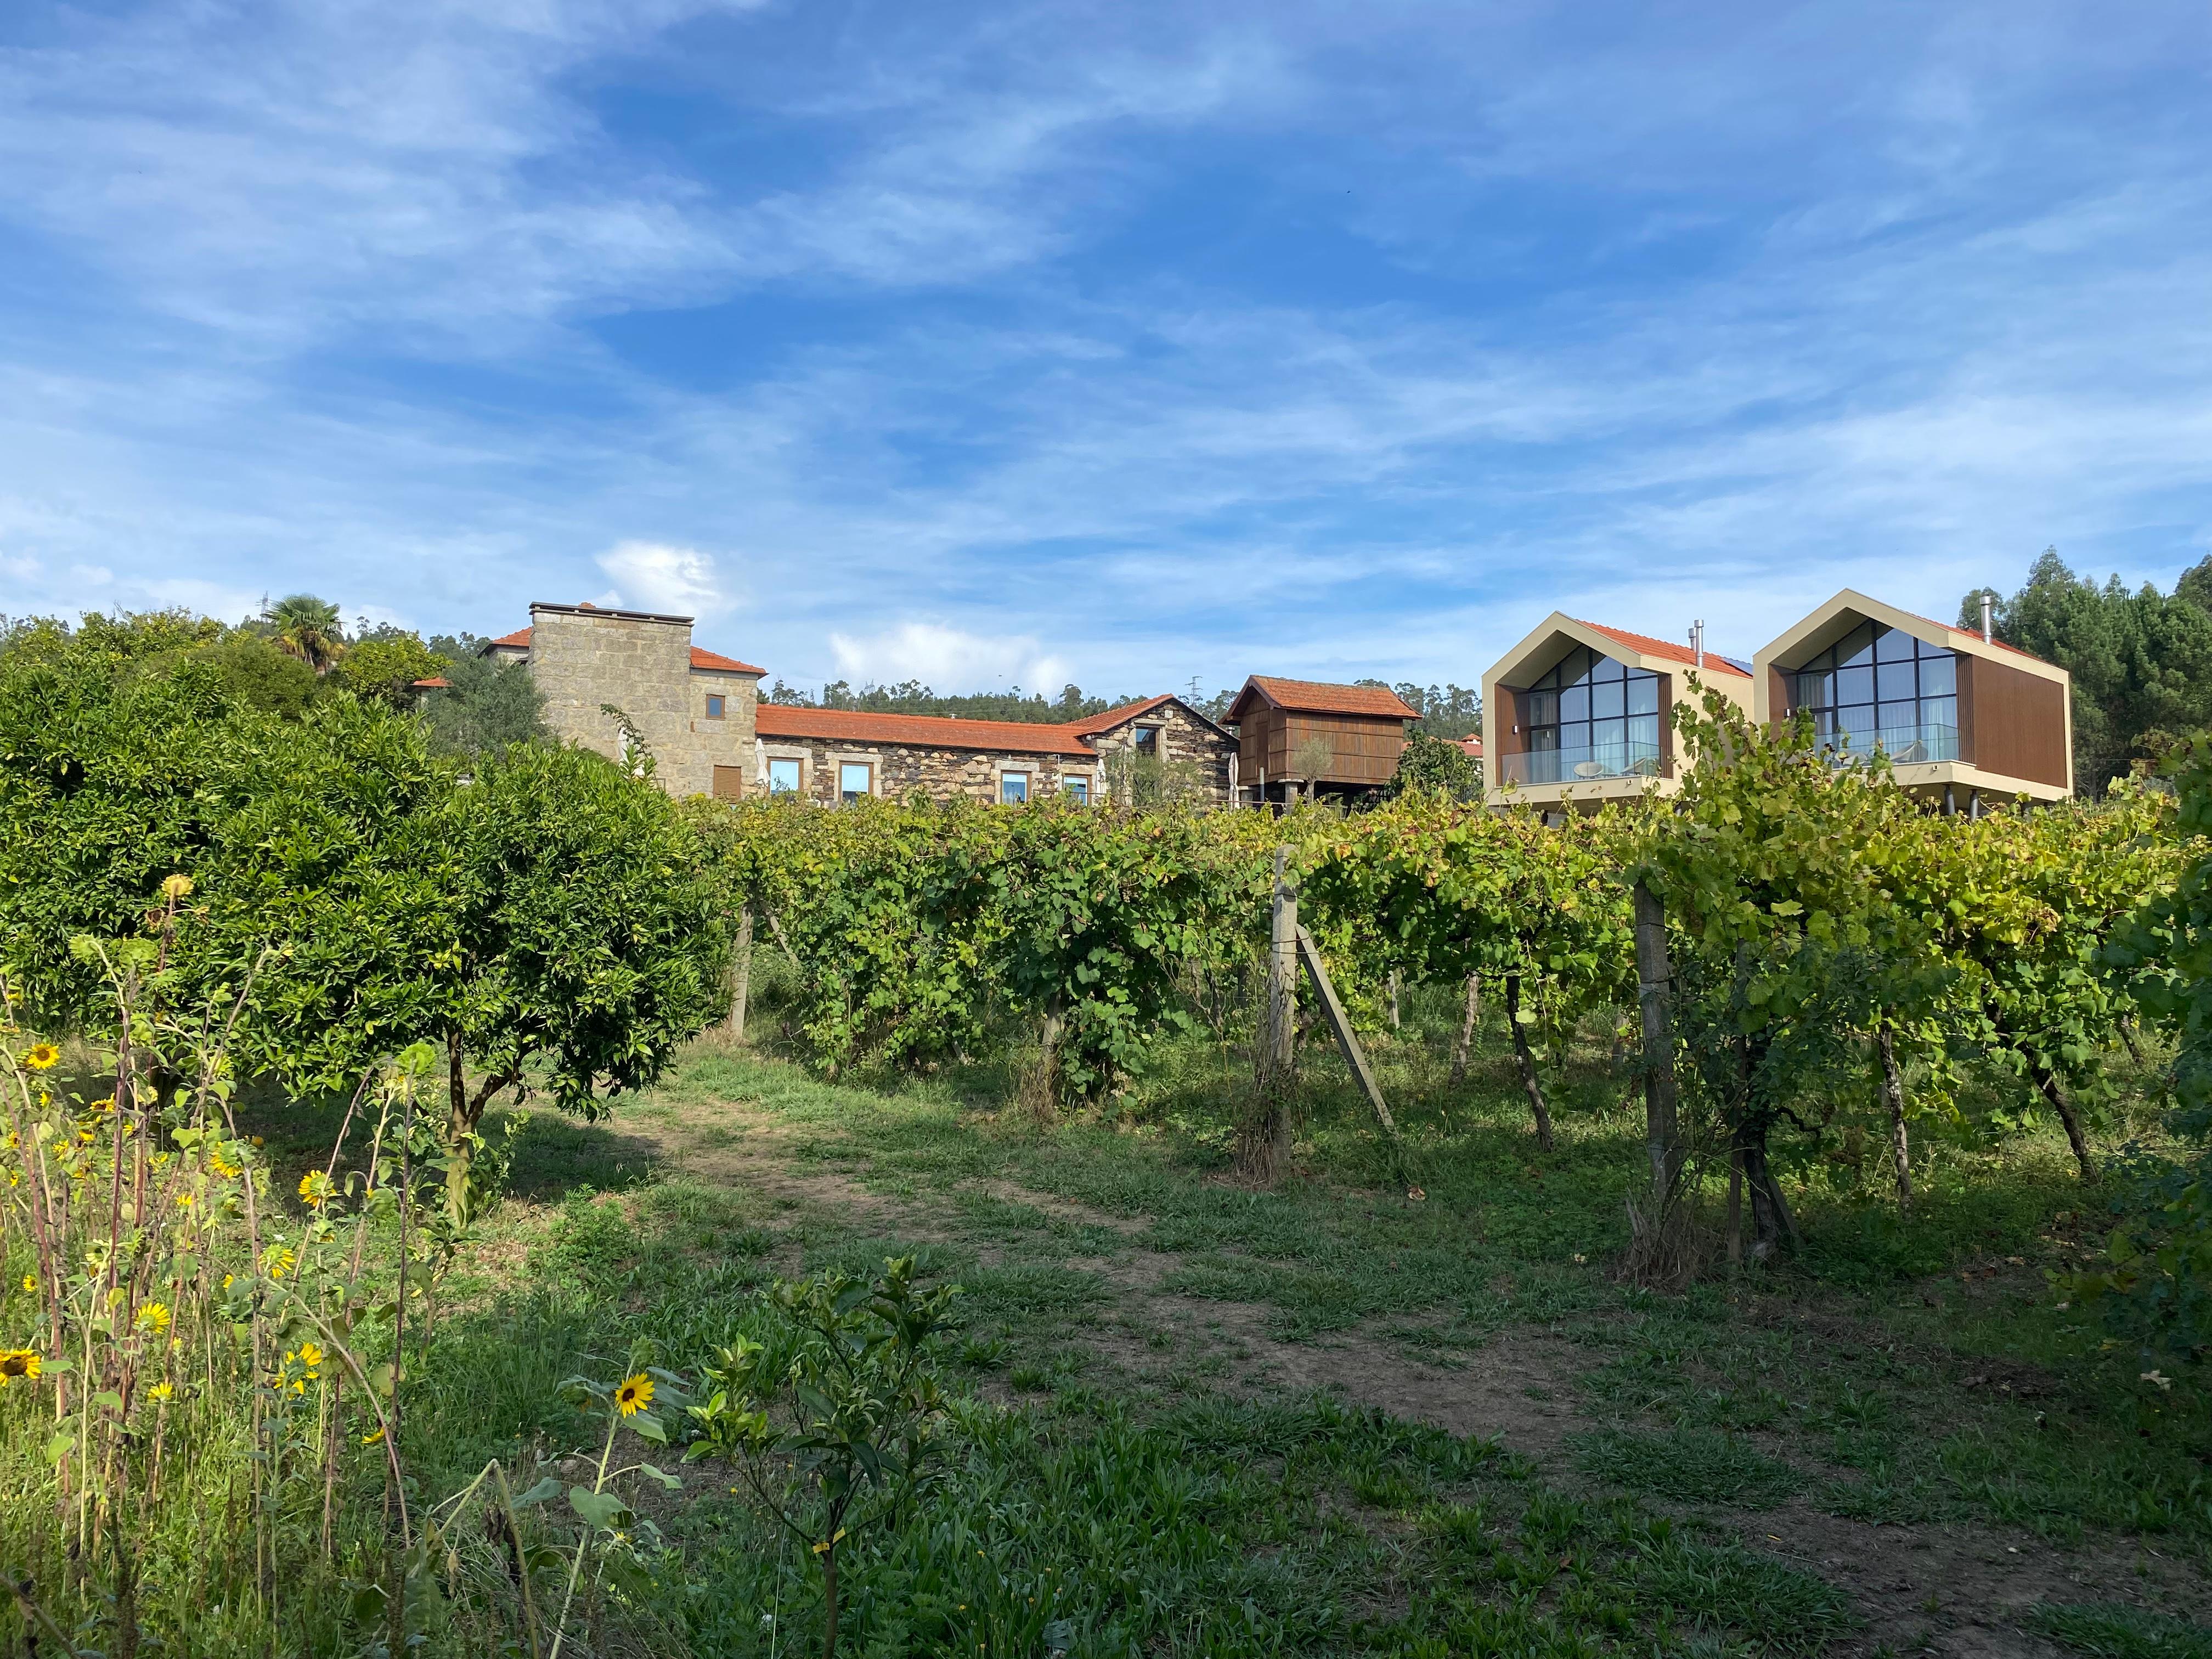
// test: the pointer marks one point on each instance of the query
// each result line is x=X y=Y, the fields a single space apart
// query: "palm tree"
x=308 y=628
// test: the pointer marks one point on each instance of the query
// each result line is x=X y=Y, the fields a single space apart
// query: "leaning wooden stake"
x=1354 y=1056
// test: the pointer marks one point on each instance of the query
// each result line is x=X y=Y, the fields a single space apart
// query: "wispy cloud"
x=947 y=658
x=653 y=576
x=1116 y=343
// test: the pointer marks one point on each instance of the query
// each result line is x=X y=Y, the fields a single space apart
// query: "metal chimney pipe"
x=1697 y=641
x=1988 y=627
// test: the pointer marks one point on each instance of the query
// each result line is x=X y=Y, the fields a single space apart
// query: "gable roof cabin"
x=1577 y=712
x=1282 y=723
x=1963 y=718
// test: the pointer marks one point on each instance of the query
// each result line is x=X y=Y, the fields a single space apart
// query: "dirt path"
x=1951 y=1590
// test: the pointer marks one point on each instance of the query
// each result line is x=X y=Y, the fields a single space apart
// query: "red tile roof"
x=1952 y=628
x=1316 y=697
x=776 y=719
x=714 y=659
x=436 y=682
x=1714 y=664
x=1092 y=725
x=1472 y=746
x=520 y=641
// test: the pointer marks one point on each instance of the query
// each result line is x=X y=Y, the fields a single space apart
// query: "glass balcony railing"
x=1592 y=764
x=1905 y=745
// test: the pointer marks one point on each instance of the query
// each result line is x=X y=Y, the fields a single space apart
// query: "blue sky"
x=1121 y=342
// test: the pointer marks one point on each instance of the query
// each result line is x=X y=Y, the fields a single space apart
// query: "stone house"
x=700 y=714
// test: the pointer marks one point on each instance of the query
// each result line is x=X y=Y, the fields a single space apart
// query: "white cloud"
x=653 y=576
x=948 y=659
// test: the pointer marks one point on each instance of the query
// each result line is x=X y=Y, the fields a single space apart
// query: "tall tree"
x=2141 y=661
x=308 y=628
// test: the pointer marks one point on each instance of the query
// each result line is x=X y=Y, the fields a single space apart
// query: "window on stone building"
x=783 y=777
x=714 y=707
x=1013 y=787
x=729 y=783
x=1077 y=790
x=854 y=779
x=1148 y=741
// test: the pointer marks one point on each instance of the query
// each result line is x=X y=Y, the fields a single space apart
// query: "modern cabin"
x=1963 y=718
x=1578 y=714
x=1304 y=736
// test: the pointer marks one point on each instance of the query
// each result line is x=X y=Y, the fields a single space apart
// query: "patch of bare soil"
x=1961 y=1591
x=1954 y=1591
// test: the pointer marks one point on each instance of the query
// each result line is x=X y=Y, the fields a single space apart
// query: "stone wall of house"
x=583 y=661
x=1189 y=746
x=897 y=771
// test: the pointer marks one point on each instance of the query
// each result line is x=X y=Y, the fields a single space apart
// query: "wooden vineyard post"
x=1263 y=1135
x=1346 y=1040
x=742 y=989
x=1654 y=1000
x=1282 y=976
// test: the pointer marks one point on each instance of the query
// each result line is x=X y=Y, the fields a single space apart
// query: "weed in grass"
x=1694 y=1466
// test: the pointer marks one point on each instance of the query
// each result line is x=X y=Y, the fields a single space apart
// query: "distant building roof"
x=1317 y=697
x=714 y=659
x=520 y=641
x=1471 y=746
x=1667 y=649
x=779 y=720
x=436 y=682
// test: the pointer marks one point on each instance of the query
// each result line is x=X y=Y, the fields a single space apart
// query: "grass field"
x=1192 y=1418
x=1196 y=1418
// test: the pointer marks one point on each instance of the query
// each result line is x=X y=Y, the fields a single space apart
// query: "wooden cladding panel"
x=729 y=783
x=2012 y=723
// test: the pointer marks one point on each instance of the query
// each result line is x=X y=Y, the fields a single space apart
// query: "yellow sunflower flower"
x=31 y=1283
x=161 y=1391
x=316 y=1188
x=41 y=1055
x=635 y=1394
x=17 y=1362
x=154 y=1316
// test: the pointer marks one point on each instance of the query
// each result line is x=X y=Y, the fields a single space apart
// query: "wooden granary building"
x=1305 y=738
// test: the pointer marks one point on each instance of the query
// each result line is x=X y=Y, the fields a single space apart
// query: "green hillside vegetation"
x=458 y=1201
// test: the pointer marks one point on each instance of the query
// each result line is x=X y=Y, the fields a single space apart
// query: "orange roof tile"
x=1951 y=628
x=1471 y=746
x=715 y=661
x=776 y=719
x=518 y=639
x=1644 y=643
x=1317 y=697
x=436 y=682
x=1092 y=725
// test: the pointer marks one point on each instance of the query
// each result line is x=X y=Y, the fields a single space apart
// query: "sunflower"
x=31 y=1283
x=635 y=1394
x=161 y=1391
x=154 y=1316
x=17 y=1362
x=316 y=1188
x=41 y=1055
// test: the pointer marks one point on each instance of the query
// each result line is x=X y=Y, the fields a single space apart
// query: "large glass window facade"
x=1589 y=717
x=1879 y=687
